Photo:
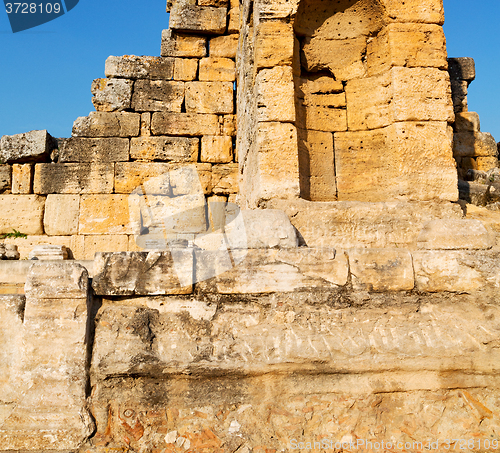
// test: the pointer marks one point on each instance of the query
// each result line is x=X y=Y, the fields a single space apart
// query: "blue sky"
x=46 y=72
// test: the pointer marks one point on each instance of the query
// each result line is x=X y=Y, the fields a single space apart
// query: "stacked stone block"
x=472 y=149
x=169 y=115
x=357 y=92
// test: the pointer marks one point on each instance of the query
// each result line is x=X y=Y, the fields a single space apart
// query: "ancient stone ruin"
x=280 y=235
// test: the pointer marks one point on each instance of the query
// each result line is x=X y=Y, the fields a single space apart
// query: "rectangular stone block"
x=454 y=270
x=225 y=179
x=194 y=18
x=77 y=149
x=185 y=69
x=274 y=45
x=111 y=94
x=145 y=124
x=104 y=243
x=209 y=97
x=453 y=234
x=275 y=94
x=33 y=146
x=26 y=245
x=177 y=149
x=474 y=144
x=191 y=178
x=224 y=46
x=323 y=114
x=381 y=269
x=409 y=45
x=217 y=149
x=157 y=96
x=155 y=273
x=5 y=178
x=61 y=215
x=401 y=94
x=178 y=45
x=466 y=122
x=107 y=124
x=143 y=67
x=22 y=178
x=217 y=69
x=260 y=271
x=73 y=178
x=105 y=214
x=317 y=165
x=23 y=213
x=415 y=11
x=395 y=165
x=191 y=124
x=129 y=176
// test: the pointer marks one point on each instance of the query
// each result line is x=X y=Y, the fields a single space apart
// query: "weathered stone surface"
x=61 y=215
x=275 y=94
x=177 y=149
x=357 y=224
x=73 y=178
x=139 y=67
x=270 y=271
x=50 y=411
x=104 y=214
x=452 y=234
x=473 y=192
x=381 y=269
x=225 y=179
x=22 y=178
x=260 y=229
x=459 y=95
x=274 y=45
x=5 y=178
x=185 y=69
x=33 y=146
x=217 y=149
x=186 y=17
x=21 y=212
x=129 y=176
x=217 y=69
x=455 y=271
x=175 y=45
x=107 y=124
x=49 y=252
x=467 y=122
x=157 y=96
x=191 y=179
x=224 y=46
x=410 y=45
x=462 y=68
x=209 y=97
x=398 y=163
x=474 y=144
x=317 y=165
x=144 y=273
x=486 y=163
x=104 y=243
x=401 y=94
x=191 y=124
x=111 y=94
x=79 y=149
x=430 y=12
x=342 y=57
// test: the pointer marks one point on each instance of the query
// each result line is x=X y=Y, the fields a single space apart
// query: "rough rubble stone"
x=143 y=67
x=33 y=146
x=144 y=273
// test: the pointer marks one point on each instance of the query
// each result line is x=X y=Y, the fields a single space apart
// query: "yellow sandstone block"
x=104 y=214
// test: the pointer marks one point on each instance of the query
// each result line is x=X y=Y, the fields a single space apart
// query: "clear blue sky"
x=46 y=72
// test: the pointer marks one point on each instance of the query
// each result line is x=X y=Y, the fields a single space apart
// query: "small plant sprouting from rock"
x=14 y=234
